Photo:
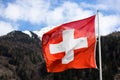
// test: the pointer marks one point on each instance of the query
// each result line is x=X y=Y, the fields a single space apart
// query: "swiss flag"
x=71 y=45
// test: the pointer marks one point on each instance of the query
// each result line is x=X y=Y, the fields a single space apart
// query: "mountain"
x=21 y=58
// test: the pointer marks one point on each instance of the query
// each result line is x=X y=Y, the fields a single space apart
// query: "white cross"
x=68 y=45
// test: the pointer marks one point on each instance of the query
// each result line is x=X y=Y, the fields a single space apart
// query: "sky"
x=34 y=15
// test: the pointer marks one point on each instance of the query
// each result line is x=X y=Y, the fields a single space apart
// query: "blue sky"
x=34 y=15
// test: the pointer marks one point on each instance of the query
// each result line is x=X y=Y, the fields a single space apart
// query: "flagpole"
x=99 y=45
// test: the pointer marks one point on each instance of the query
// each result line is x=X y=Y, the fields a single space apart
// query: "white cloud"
x=6 y=28
x=36 y=10
x=27 y=10
x=111 y=4
x=42 y=11
x=118 y=29
x=13 y=11
x=71 y=11
x=39 y=11
x=94 y=6
x=1 y=8
x=108 y=23
x=67 y=12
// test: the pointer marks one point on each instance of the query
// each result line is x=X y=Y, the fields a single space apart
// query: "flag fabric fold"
x=70 y=45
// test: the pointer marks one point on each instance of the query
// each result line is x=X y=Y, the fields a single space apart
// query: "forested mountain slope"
x=21 y=58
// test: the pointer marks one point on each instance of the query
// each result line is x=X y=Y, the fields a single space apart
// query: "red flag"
x=71 y=45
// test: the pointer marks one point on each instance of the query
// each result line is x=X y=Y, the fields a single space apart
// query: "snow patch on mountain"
x=28 y=33
x=42 y=31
